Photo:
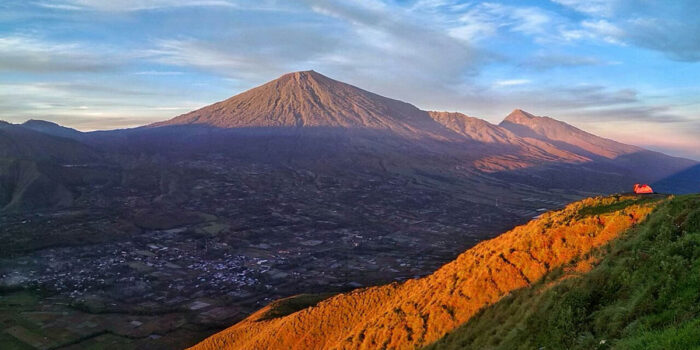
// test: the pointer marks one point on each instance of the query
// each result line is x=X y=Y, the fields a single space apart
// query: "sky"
x=623 y=69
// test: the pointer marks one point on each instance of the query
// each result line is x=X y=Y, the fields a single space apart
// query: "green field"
x=32 y=320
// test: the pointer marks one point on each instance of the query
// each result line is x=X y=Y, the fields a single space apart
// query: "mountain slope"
x=501 y=140
x=420 y=311
x=686 y=181
x=564 y=135
x=642 y=295
x=609 y=159
x=474 y=128
x=27 y=185
x=30 y=167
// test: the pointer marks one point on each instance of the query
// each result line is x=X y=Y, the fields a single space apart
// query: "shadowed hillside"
x=686 y=181
x=420 y=311
x=20 y=142
x=32 y=166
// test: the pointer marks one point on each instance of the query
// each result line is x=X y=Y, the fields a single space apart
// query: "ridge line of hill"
x=641 y=294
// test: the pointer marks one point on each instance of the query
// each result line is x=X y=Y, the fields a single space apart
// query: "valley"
x=225 y=238
x=349 y=175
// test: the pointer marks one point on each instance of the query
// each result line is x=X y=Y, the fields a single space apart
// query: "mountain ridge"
x=52 y=128
x=310 y=103
x=314 y=102
x=308 y=116
x=565 y=135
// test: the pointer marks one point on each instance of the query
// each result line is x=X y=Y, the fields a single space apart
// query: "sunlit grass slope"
x=643 y=294
x=419 y=312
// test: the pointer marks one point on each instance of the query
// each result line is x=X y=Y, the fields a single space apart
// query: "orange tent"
x=642 y=189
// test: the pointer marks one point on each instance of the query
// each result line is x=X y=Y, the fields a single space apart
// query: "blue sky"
x=624 y=69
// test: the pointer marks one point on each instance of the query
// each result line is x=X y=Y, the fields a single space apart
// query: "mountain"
x=420 y=311
x=52 y=129
x=474 y=128
x=20 y=142
x=308 y=116
x=312 y=103
x=310 y=100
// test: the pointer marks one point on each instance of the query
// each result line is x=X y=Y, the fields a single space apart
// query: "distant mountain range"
x=310 y=118
x=522 y=144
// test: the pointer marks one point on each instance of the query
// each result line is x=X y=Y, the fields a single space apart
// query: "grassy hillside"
x=643 y=294
x=420 y=311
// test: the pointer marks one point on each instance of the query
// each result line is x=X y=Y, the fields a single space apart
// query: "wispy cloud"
x=88 y=105
x=604 y=29
x=551 y=60
x=594 y=7
x=253 y=54
x=58 y=6
x=35 y=55
x=380 y=47
x=158 y=72
x=480 y=21
x=668 y=27
x=512 y=82
x=131 y=5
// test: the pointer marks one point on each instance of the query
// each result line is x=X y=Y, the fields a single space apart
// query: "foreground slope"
x=643 y=294
x=420 y=311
